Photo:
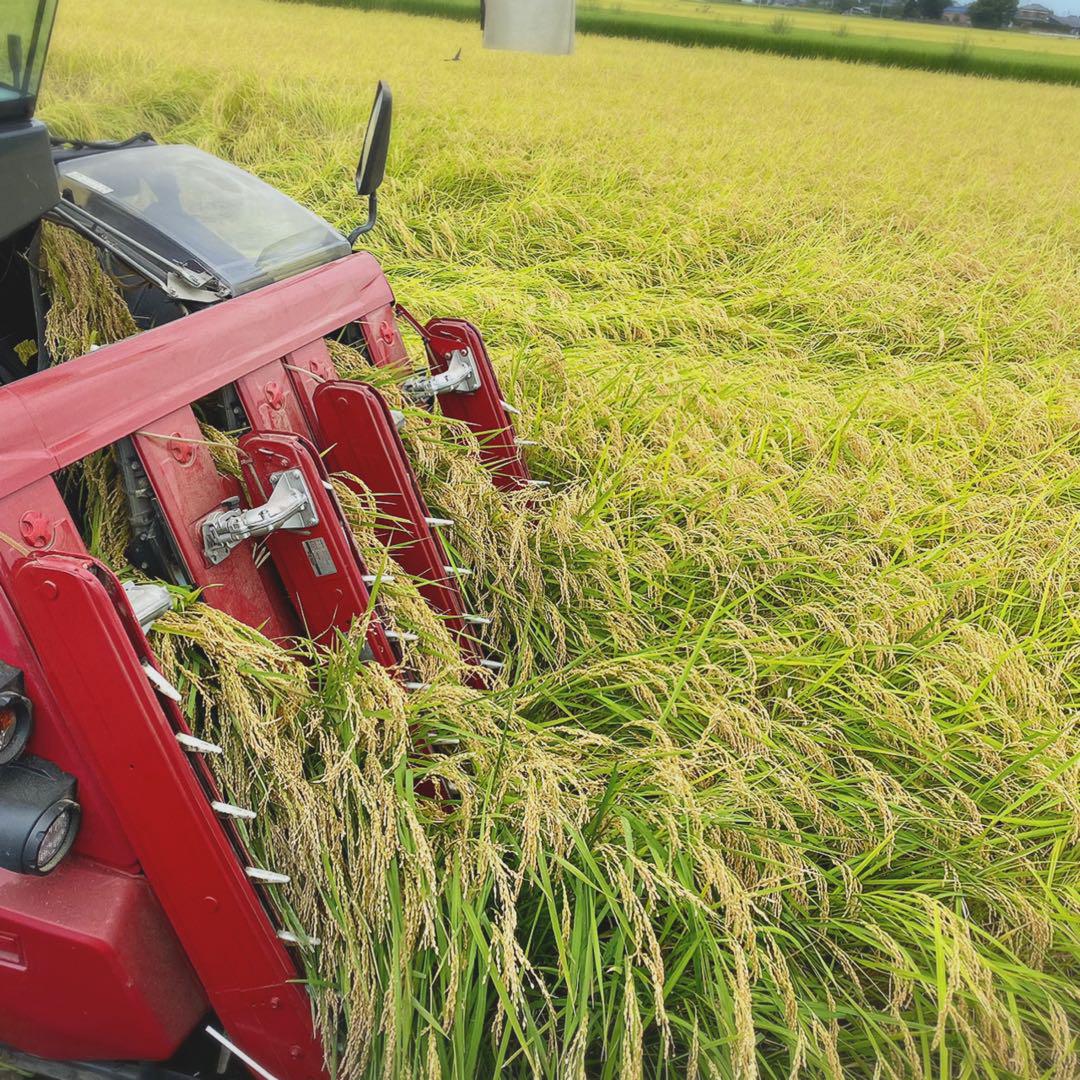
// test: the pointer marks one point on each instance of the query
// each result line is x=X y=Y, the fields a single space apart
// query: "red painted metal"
x=59 y=416
x=383 y=338
x=188 y=487
x=379 y=461
x=309 y=367
x=271 y=401
x=42 y=501
x=481 y=409
x=91 y=656
x=90 y=949
x=322 y=571
x=101 y=835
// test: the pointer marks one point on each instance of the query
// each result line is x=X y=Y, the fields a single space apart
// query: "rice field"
x=782 y=776
x=1005 y=54
x=850 y=25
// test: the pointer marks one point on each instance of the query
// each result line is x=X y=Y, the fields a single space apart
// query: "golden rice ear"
x=223 y=450
x=85 y=305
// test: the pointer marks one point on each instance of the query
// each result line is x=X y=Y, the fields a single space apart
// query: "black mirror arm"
x=372 y=217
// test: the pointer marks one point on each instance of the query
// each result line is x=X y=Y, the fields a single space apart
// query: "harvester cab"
x=137 y=935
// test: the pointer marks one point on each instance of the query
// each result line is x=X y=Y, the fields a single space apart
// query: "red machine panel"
x=93 y=658
x=309 y=367
x=320 y=566
x=270 y=400
x=383 y=338
x=379 y=460
x=91 y=949
x=35 y=519
x=188 y=487
x=67 y=412
x=483 y=409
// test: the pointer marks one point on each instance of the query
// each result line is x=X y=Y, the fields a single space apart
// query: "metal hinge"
x=461 y=375
x=290 y=506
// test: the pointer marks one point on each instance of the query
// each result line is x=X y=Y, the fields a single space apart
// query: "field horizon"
x=803 y=34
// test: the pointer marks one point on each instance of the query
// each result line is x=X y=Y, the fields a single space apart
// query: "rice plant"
x=782 y=776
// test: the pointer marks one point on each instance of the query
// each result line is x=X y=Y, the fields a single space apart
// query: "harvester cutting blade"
x=266 y=877
x=160 y=683
x=294 y=939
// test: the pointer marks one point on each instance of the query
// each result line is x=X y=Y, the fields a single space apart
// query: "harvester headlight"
x=39 y=817
x=56 y=830
x=16 y=720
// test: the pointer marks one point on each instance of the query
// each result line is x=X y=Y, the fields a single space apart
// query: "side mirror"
x=15 y=58
x=372 y=165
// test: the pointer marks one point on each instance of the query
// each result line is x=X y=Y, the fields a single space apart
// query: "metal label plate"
x=322 y=563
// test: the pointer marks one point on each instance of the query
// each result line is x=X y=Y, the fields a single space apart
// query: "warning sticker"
x=319 y=556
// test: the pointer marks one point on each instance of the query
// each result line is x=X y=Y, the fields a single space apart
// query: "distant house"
x=1033 y=15
x=957 y=15
x=1038 y=17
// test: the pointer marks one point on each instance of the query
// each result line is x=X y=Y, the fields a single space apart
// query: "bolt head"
x=275 y=395
x=36 y=529
x=183 y=452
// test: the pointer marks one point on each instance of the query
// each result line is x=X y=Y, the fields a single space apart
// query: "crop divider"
x=462 y=378
x=320 y=567
x=380 y=463
x=92 y=651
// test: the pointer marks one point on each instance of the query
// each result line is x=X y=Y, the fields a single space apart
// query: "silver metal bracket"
x=461 y=376
x=148 y=602
x=290 y=506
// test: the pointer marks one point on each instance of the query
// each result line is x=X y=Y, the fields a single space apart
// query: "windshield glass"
x=246 y=232
x=25 y=26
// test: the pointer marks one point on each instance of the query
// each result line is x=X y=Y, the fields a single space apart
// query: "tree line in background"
x=985 y=14
x=992 y=14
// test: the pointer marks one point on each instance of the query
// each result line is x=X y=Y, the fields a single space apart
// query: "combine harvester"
x=136 y=937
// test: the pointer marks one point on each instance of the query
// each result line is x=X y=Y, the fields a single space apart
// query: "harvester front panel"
x=158 y=890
